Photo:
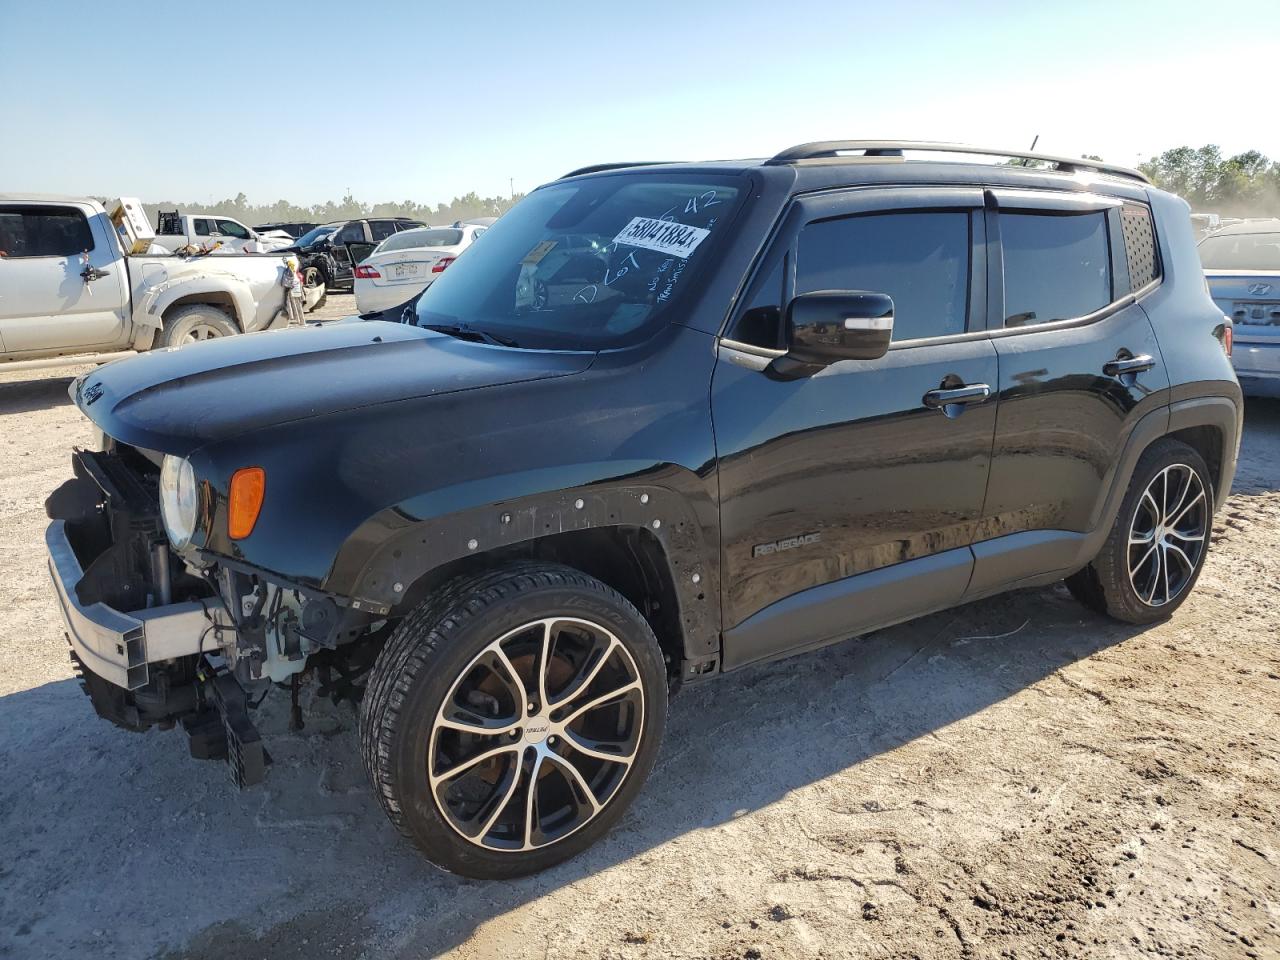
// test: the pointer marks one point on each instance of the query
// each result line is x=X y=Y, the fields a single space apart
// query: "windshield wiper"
x=471 y=334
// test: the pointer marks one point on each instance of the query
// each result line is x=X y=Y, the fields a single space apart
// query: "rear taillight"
x=442 y=263
x=1228 y=337
x=364 y=272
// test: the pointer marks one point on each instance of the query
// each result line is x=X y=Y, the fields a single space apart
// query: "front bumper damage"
x=146 y=635
x=121 y=647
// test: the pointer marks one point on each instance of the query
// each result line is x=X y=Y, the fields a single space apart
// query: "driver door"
x=849 y=497
x=63 y=288
x=231 y=233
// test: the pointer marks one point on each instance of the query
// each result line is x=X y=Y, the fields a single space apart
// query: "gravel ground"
x=1015 y=778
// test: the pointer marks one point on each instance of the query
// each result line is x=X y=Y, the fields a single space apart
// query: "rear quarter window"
x=1139 y=245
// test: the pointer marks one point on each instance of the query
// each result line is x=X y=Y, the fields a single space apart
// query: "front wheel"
x=1158 y=543
x=511 y=719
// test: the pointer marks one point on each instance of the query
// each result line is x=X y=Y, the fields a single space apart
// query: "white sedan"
x=406 y=263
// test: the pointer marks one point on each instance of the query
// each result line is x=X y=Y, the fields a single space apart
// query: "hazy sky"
x=422 y=101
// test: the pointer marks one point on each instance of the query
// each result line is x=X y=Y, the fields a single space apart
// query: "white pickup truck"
x=67 y=288
x=177 y=230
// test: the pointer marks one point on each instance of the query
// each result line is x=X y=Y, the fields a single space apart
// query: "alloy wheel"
x=201 y=331
x=536 y=735
x=1167 y=535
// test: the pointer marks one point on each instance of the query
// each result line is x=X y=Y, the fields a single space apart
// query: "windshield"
x=314 y=234
x=416 y=239
x=1241 y=251
x=585 y=265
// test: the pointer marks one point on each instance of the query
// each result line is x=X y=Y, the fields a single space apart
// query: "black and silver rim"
x=536 y=735
x=1167 y=535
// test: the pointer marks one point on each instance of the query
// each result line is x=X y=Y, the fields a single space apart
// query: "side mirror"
x=827 y=326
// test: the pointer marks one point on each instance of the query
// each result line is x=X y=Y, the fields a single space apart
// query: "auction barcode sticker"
x=663 y=236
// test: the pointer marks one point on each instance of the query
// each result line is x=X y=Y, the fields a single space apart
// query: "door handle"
x=91 y=273
x=969 y=393
x=1131 y=365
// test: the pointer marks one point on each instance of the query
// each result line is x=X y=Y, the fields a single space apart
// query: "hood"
x=178 y=399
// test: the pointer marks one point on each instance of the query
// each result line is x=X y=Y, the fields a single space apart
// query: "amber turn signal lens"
x=248 y=486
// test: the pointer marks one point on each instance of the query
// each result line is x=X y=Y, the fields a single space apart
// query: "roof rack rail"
x=600 y=167
x=826 y=149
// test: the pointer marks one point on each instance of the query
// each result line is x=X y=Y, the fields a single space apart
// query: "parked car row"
x=328 y=252
x=175 y=230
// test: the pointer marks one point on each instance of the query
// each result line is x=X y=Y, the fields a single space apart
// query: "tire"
x=194 y=323
x=1160 y=532
x=451 y=666
x=314 y=277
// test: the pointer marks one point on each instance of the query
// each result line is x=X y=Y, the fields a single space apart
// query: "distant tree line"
x=348 y=208
x=1244 y=185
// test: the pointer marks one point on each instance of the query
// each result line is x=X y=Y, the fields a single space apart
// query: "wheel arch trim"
x=393 y=550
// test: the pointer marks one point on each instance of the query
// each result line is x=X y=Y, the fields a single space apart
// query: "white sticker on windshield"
x=664 y=236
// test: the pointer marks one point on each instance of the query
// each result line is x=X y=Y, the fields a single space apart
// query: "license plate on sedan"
x=405 y=271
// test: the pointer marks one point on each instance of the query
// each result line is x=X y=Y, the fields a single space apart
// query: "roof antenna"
x=1026 y=161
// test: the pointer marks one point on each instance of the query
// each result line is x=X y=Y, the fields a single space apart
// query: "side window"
x=204 y=227
x=353 y=232
x=1056 y=266
x=919 y=258
x=229 y=228
x=1139 y=245
x=381 y=229
x=29 y=231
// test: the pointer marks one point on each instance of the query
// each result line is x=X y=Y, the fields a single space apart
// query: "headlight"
x=179 y=500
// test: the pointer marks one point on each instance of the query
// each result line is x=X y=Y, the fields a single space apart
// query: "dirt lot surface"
x=1016 y=778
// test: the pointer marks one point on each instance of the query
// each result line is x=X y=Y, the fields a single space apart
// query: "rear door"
x=1079 y=366
x=849 y=498
x=350 y=245
x=62 y=286
x=379 y=230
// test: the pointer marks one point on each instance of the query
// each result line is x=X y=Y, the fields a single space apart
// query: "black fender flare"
x=1222 y=412
x=391 y=551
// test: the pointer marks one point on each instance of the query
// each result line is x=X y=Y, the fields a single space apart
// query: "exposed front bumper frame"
x=119 y=646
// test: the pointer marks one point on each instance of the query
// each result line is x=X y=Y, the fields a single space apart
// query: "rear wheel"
x=195 y=323
x=511 y=720
x=1157 y=546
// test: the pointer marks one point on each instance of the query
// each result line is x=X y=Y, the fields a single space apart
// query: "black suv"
x=660 y=422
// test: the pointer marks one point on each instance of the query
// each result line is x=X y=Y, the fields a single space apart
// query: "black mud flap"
x=241 y=744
